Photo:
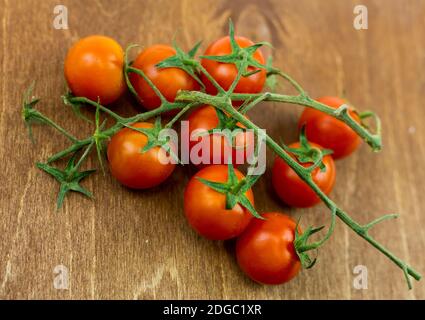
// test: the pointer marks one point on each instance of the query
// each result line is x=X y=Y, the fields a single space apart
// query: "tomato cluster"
x=265 y=245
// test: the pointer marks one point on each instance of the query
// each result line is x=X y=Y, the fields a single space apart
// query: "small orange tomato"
x=225 y=73
x=205 y=208
x=133 y=168
x=94 y=69
x=168 y=80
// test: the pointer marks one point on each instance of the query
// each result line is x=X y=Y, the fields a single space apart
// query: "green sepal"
x=226 y=122
x=308 y=154
x=216 y=186
x=301 y=242
x=69 y=179
x=240 y=57
x=153 y=138
x=243 y=200
x=29 y=114
x=234 y=190
x=184 y=61
x=231 y=175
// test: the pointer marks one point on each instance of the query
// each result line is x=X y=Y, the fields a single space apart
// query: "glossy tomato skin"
x=168 y=80
x=133 y=168
x=329 y=132
x=294 y=191
x=94 y=69
x=265 y=250
x=205 y=208
x=205 y=118
x=225 y=73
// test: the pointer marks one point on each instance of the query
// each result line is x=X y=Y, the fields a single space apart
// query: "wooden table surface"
x=127 y=244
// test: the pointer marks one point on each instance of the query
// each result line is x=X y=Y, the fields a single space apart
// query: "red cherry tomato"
x=205 y=208
x=265 y=250
x=133 y=168
x=294 y=191
x=94 y=69
x=329 y=132
x=218 y=146
x=168 y=80
x=225 y=73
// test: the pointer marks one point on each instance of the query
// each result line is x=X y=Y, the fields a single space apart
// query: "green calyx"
x=69 y=178
x=306 y=153
x=235 y=190
x=227 y=125
x=30 y=116
x=300 y=242
x=242 y=58
x=155 y=139
x=303 y=245
x=184 y=61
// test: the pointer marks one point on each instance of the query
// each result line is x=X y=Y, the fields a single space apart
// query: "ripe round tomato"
x=205 y=208
x=94 y=69
x=225 y=73
x=294 y=191
x=133 y=168
x=265 y=250
x=218 y=146
x=329 y=132
x=168 y=80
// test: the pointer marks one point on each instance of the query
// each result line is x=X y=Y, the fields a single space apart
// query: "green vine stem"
x=374 y=141
x=112 y=130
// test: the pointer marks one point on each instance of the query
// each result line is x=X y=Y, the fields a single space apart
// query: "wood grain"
x=127 y=244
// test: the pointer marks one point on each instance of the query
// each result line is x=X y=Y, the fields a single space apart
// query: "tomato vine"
x=242 y=58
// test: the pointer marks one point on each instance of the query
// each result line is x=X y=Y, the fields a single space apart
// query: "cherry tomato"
x=94 y=69
x=225 y=73
x=205 y=208
x=329 y=132
x=294 y=191
x=265 y=250
x=218 y=146
x=168 y=80
x=133 y=168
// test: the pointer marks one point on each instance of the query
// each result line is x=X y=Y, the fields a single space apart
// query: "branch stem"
x=372 y=139
x=59 y=128
x=106 y=110
x=304 y=174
